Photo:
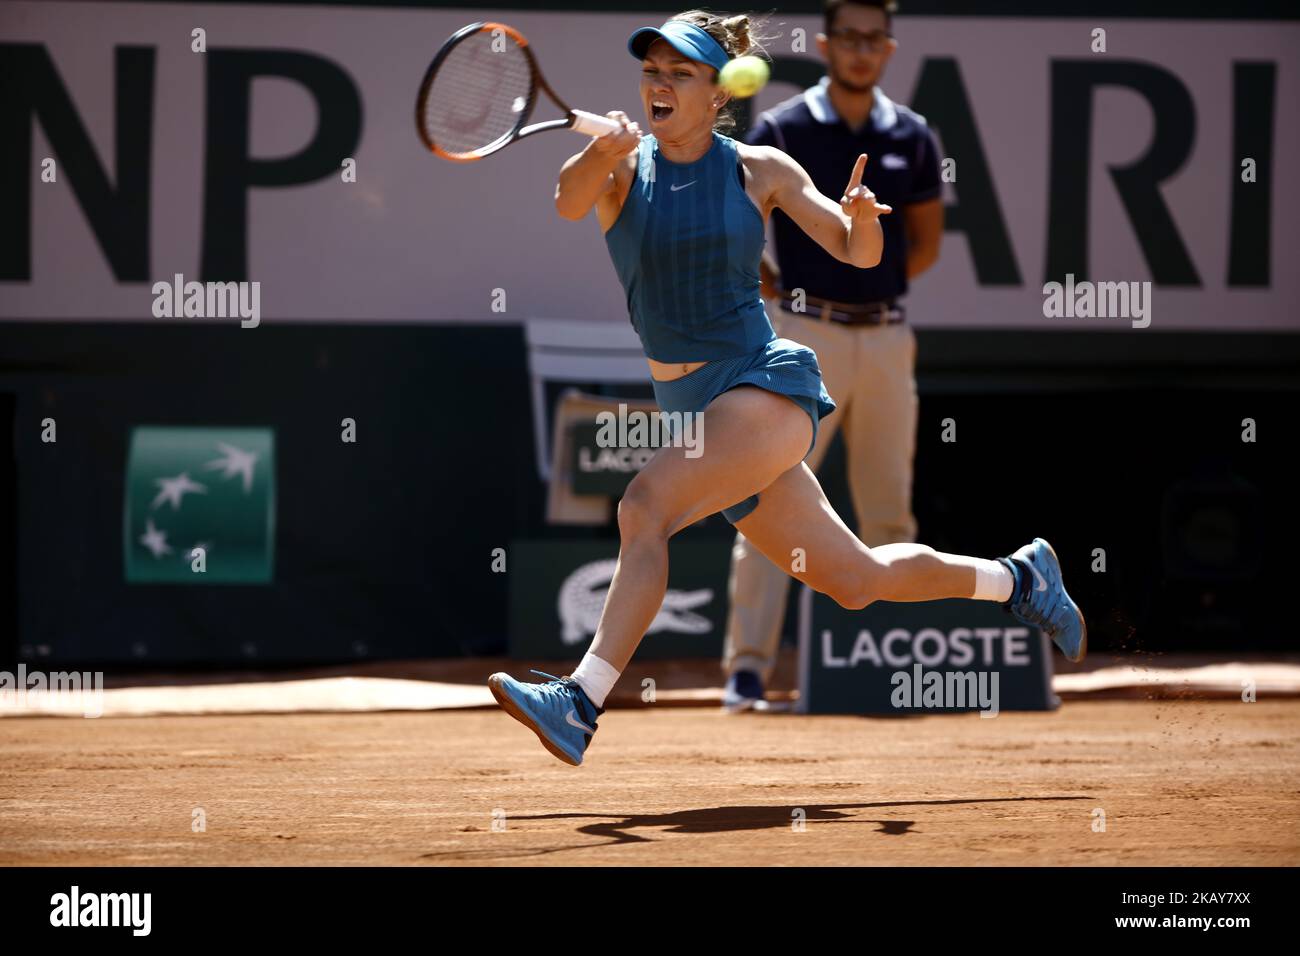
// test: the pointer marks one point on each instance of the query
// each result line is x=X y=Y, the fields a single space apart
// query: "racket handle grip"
x=591 y=124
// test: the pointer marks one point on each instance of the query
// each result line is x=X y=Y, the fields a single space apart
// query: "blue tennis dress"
x=686 y=247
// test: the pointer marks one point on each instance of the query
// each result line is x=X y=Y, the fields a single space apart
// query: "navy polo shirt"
x=903 y=168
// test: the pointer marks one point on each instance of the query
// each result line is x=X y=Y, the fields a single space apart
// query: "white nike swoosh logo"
x=573 y=721
x=683 y=186
x=1042 y=584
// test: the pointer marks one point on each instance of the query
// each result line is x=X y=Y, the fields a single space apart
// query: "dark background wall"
x=1131 y=444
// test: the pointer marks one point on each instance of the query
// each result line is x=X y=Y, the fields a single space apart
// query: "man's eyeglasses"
x=848 y=39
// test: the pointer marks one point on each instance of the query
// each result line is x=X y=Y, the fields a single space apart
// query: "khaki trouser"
x=869 y=372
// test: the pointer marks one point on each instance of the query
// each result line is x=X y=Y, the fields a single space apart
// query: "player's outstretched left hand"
x=859 y=202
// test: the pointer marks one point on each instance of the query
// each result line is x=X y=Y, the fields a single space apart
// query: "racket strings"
x=478 y=93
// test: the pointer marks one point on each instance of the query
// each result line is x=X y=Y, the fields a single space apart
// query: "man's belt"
x=862 y=313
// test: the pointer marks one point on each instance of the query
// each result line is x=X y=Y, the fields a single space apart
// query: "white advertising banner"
x=1162 y=160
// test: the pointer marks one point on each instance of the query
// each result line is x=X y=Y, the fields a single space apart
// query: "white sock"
x=596 y=677
x=993 y=581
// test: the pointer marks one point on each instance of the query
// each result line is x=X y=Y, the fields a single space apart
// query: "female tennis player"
x=683 y=210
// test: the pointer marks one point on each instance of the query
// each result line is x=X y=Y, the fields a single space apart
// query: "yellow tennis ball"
x=744 y=76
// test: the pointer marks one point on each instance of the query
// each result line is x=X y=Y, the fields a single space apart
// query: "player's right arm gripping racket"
x=480 y=90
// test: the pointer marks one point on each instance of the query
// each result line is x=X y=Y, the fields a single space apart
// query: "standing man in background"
x=850 y=317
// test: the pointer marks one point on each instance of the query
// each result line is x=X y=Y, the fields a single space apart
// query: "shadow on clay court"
x=616 y=828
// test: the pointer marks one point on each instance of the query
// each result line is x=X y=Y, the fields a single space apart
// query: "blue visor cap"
x=687 y=39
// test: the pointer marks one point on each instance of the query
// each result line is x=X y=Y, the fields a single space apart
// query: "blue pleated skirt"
x=782 y=366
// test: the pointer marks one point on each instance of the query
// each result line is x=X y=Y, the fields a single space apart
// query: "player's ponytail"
x=737 y=29
x=739 y=35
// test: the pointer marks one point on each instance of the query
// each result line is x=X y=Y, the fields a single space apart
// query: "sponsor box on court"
x=558 y=590
x=601 y=470
x=932 y=656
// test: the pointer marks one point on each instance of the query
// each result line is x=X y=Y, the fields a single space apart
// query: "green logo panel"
x=208 y=488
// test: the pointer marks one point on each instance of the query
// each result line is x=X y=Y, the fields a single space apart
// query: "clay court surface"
x=1181 y=782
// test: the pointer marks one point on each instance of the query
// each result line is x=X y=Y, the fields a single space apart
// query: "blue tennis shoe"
x=559 y=712
x=1039 y=598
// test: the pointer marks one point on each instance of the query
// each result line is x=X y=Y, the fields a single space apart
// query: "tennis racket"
x=479 y=92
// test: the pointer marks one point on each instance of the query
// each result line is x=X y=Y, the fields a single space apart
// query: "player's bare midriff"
x=668 y=371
